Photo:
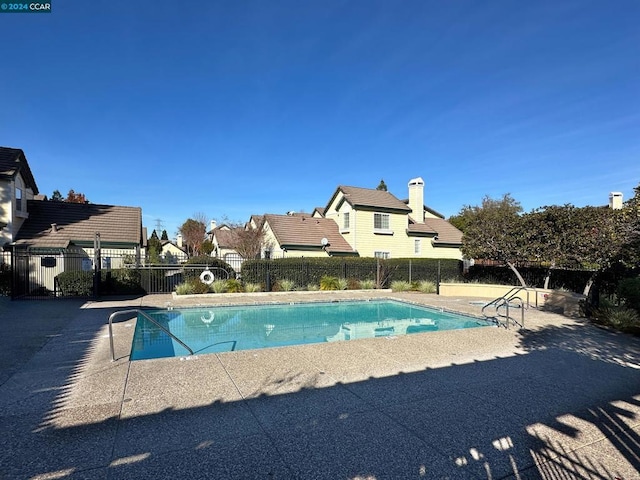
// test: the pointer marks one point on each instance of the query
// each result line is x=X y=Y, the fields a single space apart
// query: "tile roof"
x=447 y=234
x=14 y=161
x=300 y=231
x=369 y=198
x=79 y=222
x=225 y=236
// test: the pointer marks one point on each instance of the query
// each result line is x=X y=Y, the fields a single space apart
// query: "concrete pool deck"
x=558 y=400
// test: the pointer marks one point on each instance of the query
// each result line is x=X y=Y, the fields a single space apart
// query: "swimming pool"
x=222 y=329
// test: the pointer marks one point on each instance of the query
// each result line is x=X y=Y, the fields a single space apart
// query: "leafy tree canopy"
x=382 y=186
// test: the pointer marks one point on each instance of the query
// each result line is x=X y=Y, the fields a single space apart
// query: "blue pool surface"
x=223 y=329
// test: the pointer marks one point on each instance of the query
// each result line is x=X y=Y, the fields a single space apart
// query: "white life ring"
x=208 y=319
x=207 y=277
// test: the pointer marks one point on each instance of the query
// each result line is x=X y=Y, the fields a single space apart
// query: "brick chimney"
x=416 y=199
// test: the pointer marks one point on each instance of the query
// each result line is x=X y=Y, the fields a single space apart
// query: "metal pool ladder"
x=505 y=301
x=140 y=312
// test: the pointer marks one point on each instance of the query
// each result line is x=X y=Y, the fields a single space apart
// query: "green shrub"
x=629 y=292
x=312 y=287
x=304 y=271
x=252 y=287
x=234 y=286
x=329 y=283
x=367 y=284
x=199 y=287
x=184 y=289
x=400 y=286
x=286 y=285
x=620 y=318
x=426 y=286
x=77 y=283
x=219 y=286
x=343 y=284
x=5 y=279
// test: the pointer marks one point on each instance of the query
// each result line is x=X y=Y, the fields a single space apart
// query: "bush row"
x=305 y=271
x=123 y=281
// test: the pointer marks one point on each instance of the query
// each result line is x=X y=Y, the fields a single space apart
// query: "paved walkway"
x=559 y=400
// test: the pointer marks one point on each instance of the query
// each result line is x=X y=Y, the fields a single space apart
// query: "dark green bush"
x=123 y=281
x=75 y=283
x=305 y=271
x=5 y=279
x=629 y=292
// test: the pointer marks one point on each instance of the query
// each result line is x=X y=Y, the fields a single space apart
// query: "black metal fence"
x=71 y=274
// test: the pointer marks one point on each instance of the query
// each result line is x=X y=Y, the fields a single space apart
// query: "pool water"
x=223 y=329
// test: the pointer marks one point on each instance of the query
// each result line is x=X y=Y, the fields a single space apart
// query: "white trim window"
x=18 y=199
x=382 y=223
x=346 y=220
x=383 y=255
x=416 y=246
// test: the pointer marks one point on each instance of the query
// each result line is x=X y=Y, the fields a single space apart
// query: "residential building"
x=17 y=187
x=377 y=224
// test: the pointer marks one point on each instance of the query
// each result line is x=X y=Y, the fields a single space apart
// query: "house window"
x=416 y=246
x=18 y=198
x=381 y=224
x=345 y=221
x=384 y=255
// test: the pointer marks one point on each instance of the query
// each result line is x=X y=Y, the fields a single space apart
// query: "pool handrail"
x=148 y=317
x=504 y=300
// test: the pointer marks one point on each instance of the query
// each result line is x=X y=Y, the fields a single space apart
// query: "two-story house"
x=364 y=222
x=377 y=224
x=17 y=186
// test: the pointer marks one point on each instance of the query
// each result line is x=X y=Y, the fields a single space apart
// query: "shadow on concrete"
x=569 y=407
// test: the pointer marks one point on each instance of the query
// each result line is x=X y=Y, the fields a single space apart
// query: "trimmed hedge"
x=122 y=281
x=305 y=271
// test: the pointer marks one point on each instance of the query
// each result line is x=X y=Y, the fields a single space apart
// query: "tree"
x=164 y=237
x=494 y=231
x=154 y=246
x=249 y=240
x=193 y=234
x=57 y=196
x=73 y=197
x=551 y=233
x=630 y=229
x=382 y=186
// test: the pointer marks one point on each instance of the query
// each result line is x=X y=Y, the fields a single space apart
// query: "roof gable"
x=14 y=161
x=79 y=222
x=369 y=199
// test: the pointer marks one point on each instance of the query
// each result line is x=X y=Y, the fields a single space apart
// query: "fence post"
x=267 y=282
x=438 y=280
x=97 y=265
x=409 y=270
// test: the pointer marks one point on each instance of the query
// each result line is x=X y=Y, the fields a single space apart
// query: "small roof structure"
x=306 y=232
x=61 y=224
x=443 y=232
x=14 y=161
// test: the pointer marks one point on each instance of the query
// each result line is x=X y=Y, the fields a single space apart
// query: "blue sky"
x=240 y=107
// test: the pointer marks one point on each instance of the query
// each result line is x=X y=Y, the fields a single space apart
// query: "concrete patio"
x=558 y=400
